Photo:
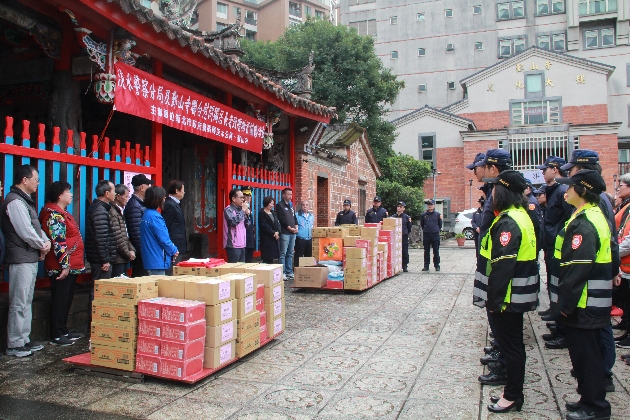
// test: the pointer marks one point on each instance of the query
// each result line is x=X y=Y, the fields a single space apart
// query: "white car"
x=463 y=223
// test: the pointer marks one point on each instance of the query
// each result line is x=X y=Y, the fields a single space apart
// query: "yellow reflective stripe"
x=582 y=302
x=564 y=264
x=504 y=257
x=508 y=295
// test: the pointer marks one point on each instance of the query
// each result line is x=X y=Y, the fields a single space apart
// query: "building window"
x=534 y=85
x=422 y=87
x=512 y=9
x=591 y=7
x=450 y=85
x=236 y=10
x=477 y=9
x=294 y=9
x=362 y=198
x=450 y=47
x=421 y=52
x=222 y=10
x=393 y=20
x=420 y=17
x=599 y=38
x=321 y=15
x=308 y=11
x=531 y=149
x=545 y=111
x=250 y=35
x=478 y=46
x=448 y=13
x=549 y=7
x=365 y=27
x=628 y=74
x=251 y=18
x=553 y=42
x=427 y=146
x=393 y=55
x=511 y=46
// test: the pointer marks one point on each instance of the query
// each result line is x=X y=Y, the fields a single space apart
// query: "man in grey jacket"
x=27 y=244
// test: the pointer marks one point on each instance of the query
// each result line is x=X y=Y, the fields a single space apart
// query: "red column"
x=156 y=135
x=292 y=151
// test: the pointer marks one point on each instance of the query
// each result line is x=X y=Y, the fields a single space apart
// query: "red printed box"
x=149 y=328
x=182 y=333
x=334 y=284
x=150 y=308
x=260 y=291
x=180 y=369
x=148 y=364
x=263 y=320
x=149 y=345
x=182 y=351
x=260 y=304
x=178 y=311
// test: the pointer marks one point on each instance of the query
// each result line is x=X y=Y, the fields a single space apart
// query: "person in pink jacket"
x=234 y=223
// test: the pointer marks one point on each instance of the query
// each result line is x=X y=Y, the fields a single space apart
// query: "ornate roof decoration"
x=48 y=37
x=197 y=44
x=179 y=12
x=299 y=81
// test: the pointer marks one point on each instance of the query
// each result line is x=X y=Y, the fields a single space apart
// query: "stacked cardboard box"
x=355 y=263
x=370 y=234
x=114 y=325
x=274 y=305
x=392 y=233
x=247 y=317
x=171 y=336
x=267 y=275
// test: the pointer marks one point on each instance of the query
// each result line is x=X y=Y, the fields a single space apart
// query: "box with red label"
x=149 y=345
x=221 y=334
x=351 y=241
x=182 y=350
x=274 y=293
x=334 y=284
x=260 y=296
x=150 y=308
x=275 y=309
x=213 y=357
x=179 y=311
x=275 y=326
x=148 y=364
x=386 y=235
x=180 y=369
x=245 y=306
x=263 y=326
x=211 y=290
x=150 y=328
x=220 y=314
x=372 y=225
x=184 y=332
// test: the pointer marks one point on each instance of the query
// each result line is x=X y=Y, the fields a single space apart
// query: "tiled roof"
x=429 y=109
x=198 y=45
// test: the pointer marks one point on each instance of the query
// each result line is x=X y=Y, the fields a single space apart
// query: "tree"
x=348 y=75
x=403 y=179
x=392 y=192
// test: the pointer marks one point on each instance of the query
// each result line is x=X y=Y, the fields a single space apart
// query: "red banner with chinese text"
x=147 y=96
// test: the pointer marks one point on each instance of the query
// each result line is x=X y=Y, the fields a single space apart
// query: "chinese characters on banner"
x=146 y=96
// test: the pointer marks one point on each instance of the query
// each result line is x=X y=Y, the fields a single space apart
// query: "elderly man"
x=304 y=238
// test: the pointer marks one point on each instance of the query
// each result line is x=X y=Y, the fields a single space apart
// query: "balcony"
x=295 y=10
x=250 y=20
x=596 y=7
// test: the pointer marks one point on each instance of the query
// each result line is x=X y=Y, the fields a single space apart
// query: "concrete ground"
x=407 y=349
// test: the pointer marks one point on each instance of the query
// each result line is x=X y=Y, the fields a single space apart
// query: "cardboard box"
x=263 y=320
x=179 y=311
x=150 y=328
x=229 y=268
x=307 y=261
x=210 y=271
x=354 y=273
x=125 y=290
x=313 y=277
x=114 y=335
x=334 y=284
x=244 y=283
x=337 y=232
x=221 y=334
x=213 y=357
x=211 y=290
x=114 y=313
x=150 y=308
x=173 y=287
x=251 y=343
x=245 y=306
x=369 y=232
x=184 y=332
x=274 y=293
x=263 y=334
x=275 y=309
x=185 y=271
x=220 y=314
x=360 y=285
x=246 y=325
x=180 y=369
x=149 y=345
x=350 y=252
x=392 y=221
x=146 y=363
x=350 y=241
x=319 y=232
x=275 y=325
x=182 y=350
x=112 y=357
x=267 y=274
x=355 y=263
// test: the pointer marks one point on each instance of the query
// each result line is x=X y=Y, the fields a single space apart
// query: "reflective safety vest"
x=522 y=291
x=597 y=293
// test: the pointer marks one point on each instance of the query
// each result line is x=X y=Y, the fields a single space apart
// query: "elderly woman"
x=125 y=251
x=156 y=247
x=269 y=231
x=65 y=263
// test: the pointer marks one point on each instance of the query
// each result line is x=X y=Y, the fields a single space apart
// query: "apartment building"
x=262 y=20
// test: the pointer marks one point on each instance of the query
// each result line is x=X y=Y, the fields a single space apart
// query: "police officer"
x=476 y=222
x=533 y=209
x=431 y=224
x=406 y=229
x=584 y=291
x=346 y=216
x=377 y=213
x=510 y=280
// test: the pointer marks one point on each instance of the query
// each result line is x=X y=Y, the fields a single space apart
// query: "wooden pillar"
x=156 y=135
x=292 y=152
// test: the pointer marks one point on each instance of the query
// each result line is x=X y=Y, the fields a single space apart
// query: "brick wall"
x=450 y=183
x=606 y=146
x=590 y=114
x=489 y=120
x=471 y=148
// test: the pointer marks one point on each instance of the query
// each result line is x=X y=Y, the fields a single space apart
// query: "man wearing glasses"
x=234 y=227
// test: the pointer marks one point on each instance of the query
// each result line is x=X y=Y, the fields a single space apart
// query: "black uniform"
x=406 y=229
x=533 y=209
x=431 y=224
x=476 y=223
x=250 y=238
x=346 y=218
x=374 y=215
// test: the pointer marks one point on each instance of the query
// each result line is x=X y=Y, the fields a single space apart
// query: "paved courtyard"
x=407 y=349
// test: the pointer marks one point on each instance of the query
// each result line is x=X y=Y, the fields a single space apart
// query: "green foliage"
x=406 y=170
x=393 y=192
x=459 y=235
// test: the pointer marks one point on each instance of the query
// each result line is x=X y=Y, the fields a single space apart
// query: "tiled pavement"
x=407 y=349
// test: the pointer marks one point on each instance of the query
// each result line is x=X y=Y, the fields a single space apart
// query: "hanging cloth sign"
x=147 y=96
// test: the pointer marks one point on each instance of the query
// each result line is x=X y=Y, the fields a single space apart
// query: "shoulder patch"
x=532 y=206
x=576 y=241
x=505 y=238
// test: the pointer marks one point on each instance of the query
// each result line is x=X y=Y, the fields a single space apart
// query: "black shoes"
x=494 y=377
x=573 y=406
x=492 y=357
x=610 y=384
x=582 y=415
x=425 y=268
x=405 y=270
x=516 y=405
x=545 y=312
x=491 y=334
x=621 y=337
x=551 y=324
x=437 y=268
x=549 y=337
x=623 y=344
x=558 y=343
x=547 y=317
x=490 y=348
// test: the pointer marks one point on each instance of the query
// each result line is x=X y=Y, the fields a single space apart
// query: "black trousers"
x=624 y=288
x=118 y=269
x=61 y=295
x=587 y=361
x=431 y=241
x=476 y=238
x=303 y=248
x=405 y=250
x=137 y=267
x=509 y=335
x=249 y=255
x=180 y=258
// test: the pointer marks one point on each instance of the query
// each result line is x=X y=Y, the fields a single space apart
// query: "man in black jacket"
x=406 y=230
x=288 y=231
x=174 y=217
x=346 y=216
x=100 y=241
x=250 y=225
x=133 y=214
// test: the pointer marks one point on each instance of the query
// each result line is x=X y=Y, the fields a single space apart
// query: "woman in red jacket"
x=65 y=263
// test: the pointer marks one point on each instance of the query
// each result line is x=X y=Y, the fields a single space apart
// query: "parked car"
x=463 y=223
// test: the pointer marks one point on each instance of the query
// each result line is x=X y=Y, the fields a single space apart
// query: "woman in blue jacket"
x=158 y=251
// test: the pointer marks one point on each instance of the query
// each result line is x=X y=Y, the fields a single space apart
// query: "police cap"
x=498 y=157
x=552 y=162
x=591 y=180
x=479 y=161
x=512 y=180
x=581 y=156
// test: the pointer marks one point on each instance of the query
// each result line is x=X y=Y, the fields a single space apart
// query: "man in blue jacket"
x=431 y=224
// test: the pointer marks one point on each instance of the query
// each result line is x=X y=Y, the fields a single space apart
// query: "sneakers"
x=623 y=344
x=616 y=311
x=19 y=352
x=34 y=346
x=73 y=336
x=62 y=341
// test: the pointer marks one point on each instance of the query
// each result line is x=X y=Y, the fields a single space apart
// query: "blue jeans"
x=287 y=243
x=156 y=272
